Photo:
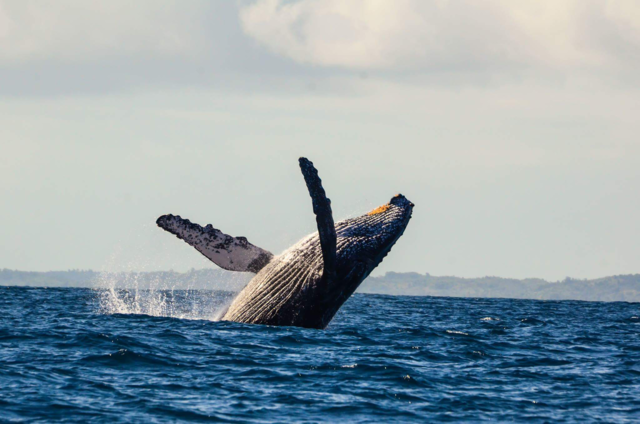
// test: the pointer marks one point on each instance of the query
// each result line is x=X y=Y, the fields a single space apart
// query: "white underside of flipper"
x=230 y=253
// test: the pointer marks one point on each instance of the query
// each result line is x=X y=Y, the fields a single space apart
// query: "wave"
x=123 y=354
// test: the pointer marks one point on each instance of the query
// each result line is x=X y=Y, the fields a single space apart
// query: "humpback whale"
x=306 y=284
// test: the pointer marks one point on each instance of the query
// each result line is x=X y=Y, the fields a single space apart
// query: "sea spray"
x=138 y=289
x=157 y=294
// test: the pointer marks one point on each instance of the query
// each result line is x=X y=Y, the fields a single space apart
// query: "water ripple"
x=78 y=355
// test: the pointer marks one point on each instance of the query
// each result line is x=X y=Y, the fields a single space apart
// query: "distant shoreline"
x=624 y=288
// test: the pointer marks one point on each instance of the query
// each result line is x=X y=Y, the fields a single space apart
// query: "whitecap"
x=457 y=332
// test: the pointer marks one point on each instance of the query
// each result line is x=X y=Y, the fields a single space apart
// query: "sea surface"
x=82 y=355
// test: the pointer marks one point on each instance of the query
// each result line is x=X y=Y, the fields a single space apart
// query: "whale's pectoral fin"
x=230 y=253
x=324 y=217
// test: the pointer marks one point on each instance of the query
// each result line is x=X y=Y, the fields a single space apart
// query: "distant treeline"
x=615 y=288
x=609 y=289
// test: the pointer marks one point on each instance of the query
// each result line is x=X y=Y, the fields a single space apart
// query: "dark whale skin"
x=293 y=290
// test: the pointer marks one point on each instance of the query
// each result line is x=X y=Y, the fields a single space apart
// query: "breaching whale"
x=306 y=284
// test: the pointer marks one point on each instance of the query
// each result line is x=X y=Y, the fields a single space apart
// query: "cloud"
x=448 y=35
x=78 y=47
x=82 y=31
x=81 y=47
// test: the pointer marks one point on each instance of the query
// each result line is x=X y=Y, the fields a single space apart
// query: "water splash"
x=205 y=294
x=135 y=293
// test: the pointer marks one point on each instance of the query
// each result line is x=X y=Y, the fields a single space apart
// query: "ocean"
x=83 y=355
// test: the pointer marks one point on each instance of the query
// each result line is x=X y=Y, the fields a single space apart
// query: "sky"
x=513 y=127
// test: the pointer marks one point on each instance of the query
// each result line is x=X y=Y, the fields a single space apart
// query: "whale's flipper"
x=324 y=217
x=230 y=253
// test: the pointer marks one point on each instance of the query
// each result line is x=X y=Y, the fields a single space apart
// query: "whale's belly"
x=283 y=292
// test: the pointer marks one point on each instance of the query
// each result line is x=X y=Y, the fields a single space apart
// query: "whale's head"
x=363 y=242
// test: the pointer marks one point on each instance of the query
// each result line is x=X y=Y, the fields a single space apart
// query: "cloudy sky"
x=513 y=127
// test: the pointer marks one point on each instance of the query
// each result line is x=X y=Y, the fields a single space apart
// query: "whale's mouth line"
x=377 y=258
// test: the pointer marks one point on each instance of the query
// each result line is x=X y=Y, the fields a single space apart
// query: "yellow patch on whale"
x=379 y=209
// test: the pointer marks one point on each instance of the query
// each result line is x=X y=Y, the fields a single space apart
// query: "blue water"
x=66 y=356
